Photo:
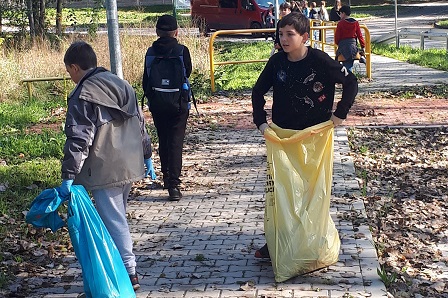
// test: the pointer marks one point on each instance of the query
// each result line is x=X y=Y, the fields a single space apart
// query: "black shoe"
x=262 y=253
x=174 y=193
x=134 y=281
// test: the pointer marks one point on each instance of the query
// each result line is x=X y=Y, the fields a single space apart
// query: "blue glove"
x=150 y=169
x=64 y=189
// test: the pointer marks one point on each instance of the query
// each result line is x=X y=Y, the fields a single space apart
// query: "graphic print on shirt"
x=281 y=76
x=309 y=78
x=307 y=86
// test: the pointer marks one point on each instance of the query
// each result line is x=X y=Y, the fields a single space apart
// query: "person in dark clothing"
x=170 y=127
x=313 y=15
x=303 y=81
x=334 y=12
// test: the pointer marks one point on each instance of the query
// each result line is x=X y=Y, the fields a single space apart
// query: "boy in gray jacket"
x=107 y=144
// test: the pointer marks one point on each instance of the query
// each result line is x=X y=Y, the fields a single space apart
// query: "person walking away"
x=106 y=144
x=346 y=37
x=285 y=9
x=334 y=12
x=303 y=81
x=170 y=122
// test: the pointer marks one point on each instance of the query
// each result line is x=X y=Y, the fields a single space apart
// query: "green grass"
x=29 y=162
x=239 y=76
x=30 y=153
x=24 y=113
x=443 y=24
x=432 y=58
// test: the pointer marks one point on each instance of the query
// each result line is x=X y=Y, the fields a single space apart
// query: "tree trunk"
x=30 y=14
x=39 y=17
x=42 y=17
x=59 y=5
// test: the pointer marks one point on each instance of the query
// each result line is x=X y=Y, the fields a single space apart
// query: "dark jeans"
x=348 y=64
x=171 y=133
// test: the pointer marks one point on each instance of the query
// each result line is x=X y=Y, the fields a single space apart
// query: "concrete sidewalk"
x=389 y=74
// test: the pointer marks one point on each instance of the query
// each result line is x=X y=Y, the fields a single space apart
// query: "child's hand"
x=263 y=127
x=336 y=121
x=65 y=189
x=150 y=169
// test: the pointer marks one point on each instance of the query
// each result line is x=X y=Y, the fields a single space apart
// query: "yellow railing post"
x=29 y=87
x=29 y=83
x=368 y=51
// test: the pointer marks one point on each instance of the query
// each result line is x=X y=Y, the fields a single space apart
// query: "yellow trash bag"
x=300 y=233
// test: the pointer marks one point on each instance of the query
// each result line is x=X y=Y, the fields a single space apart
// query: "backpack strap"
x=149 y=58
x=181 y=57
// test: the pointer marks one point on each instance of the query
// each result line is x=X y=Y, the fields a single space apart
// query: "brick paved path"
x=203 y=245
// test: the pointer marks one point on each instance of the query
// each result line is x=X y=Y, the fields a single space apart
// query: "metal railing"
x=29 y=83
x=422 y=34
x=322 y=42
x=229 y=32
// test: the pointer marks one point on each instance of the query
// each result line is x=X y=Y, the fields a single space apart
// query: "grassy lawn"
x=432 y=58
x=240 y=76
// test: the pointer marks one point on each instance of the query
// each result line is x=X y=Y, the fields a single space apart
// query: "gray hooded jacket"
x=104 y=133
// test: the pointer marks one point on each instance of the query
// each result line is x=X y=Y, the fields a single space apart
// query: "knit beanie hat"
x=166 y=23
x=345 y=9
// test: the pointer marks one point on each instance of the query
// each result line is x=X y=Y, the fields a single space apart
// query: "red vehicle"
x=227 y=14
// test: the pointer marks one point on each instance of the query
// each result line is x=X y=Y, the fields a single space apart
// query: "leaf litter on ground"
x=404 y=180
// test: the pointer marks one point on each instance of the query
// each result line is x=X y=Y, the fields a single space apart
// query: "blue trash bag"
x=103 y=270
x=43 y=211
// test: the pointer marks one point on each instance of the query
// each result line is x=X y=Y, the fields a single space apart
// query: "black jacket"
x=303 y=91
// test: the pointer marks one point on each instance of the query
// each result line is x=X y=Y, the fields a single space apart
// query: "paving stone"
x=203 y=245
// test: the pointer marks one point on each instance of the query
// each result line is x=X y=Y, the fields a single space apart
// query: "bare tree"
x=59 y=5
x=30 y=15
x=36 y=17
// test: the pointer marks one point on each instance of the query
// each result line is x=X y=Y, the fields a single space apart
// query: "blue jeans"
x=348 y=64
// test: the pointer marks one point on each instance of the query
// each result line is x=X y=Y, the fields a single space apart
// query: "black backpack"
x=168 y=89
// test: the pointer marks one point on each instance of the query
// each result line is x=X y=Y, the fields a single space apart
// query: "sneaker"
x=362 y=60
x=174 y=193
x=134 y=281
